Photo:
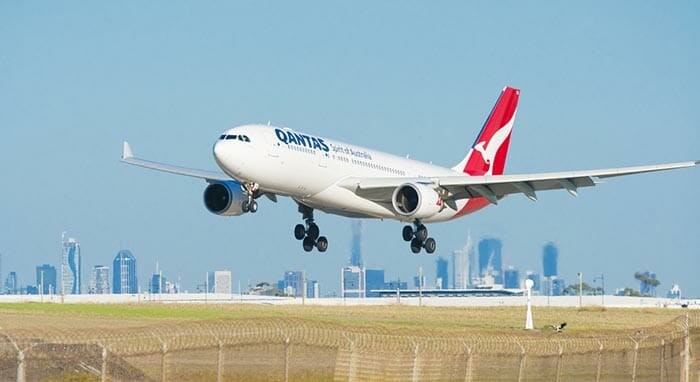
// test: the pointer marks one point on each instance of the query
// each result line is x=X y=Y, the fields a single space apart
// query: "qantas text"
x=289 y=136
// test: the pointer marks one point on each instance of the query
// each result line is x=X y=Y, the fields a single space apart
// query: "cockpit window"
x=242 y=138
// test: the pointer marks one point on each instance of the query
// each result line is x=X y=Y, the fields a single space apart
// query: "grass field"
x=390 y=342
x=391 y=317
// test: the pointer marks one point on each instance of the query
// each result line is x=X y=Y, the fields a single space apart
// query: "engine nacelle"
x=416 y=201
x=224 y=198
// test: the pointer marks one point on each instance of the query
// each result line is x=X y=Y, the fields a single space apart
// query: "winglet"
x=126 y=151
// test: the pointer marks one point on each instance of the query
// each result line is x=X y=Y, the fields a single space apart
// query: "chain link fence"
x=293 y=349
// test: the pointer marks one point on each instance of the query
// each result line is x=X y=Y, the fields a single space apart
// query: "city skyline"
x=354 y=278
x=599 y=89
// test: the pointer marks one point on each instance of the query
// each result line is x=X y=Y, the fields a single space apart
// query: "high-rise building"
x=353 y=282
x=419 y=281
x=46 y=279
x=220 y=282
x=356 y=249
x=158 y=283
x=11 y=283
x=550 y=255
x=292 y=284
x=313 y=289
x=124 y=278
x=375 y=281
x=461 y=266
x=441 y=272
x=558 y=286
x=647 y=283
x=512 y=278
x=490 y=260
x=99 y=283
x=71 y=262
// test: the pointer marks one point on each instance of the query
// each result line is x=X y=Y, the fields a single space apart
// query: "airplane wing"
x=128 y=157
x=493 y=187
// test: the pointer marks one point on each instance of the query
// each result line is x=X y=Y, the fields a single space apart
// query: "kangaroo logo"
x=488 y=149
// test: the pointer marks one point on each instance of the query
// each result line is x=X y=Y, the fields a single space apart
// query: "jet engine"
x=224 y=198
x=416 y=201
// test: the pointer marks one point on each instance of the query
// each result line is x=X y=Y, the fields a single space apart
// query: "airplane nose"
x=219 y=151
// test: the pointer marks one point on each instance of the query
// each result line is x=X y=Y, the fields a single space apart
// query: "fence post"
x=351 y=365
x=468 y=372
x=662 y=361
x=286 y=359
x=21 y=376
x=634 y=359
x=103 y=371
x=685 y=365
x=559 y=362
x=522 y=363
x=415 y=364
x=220 y=362
x=600 y=362
x=163 y=368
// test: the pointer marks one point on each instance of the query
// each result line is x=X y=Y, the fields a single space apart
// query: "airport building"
x=124 y=280
x=374 y=281
x=352 y=282
x=46 y=279
x=71 y=263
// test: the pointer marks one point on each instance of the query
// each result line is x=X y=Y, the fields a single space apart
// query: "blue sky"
x=603 y=85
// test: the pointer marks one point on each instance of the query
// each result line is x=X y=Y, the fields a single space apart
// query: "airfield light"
x=528 y=319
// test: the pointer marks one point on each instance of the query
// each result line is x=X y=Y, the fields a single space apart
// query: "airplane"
x=347 y=180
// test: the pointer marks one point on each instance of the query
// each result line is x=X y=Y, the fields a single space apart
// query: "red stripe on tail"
x=487 y=155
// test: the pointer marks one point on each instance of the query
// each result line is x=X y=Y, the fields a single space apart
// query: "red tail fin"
x=487 y=156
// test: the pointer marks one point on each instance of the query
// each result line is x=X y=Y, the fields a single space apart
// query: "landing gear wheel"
x=322 y=244
x=253 y=206
x=416 y=245
x=299 y=232
x=407 y=233
x=313 y=231
x=308 y=244
x=430 y=245
x=421 y=232
x=245 y=207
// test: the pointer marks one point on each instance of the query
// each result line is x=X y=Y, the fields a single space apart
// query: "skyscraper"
x=158 y=283
x=490 y=261
x=462 y=265
x=292 y=284
x=124 y=273
x=356 y=248
x=220 y=282
x=550 y=255
x=99 y=284
x=512 y=278
x=441 y=272
x=46 y=277
x=11 y=283
x=71 y=262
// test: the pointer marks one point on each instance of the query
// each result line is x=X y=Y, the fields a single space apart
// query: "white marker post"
x=528 y=320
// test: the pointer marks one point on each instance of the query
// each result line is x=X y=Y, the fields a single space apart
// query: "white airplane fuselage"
x=307 y=168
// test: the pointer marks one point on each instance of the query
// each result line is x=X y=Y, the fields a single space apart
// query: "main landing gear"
x=419 y=237
x=252 y=190
x=309 y=234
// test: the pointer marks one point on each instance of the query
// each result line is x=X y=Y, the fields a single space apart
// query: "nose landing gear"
x=310 y=234
x=419 y=238
x=252 y=190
